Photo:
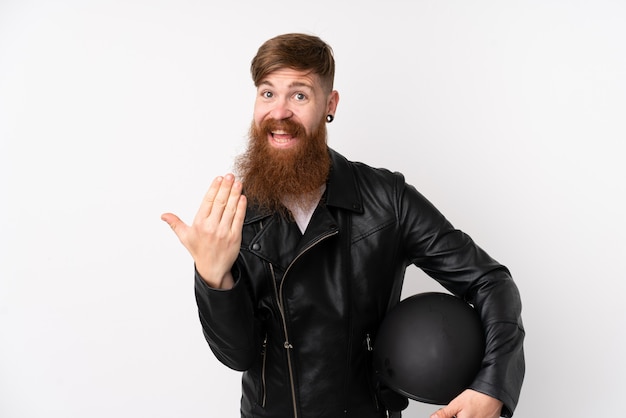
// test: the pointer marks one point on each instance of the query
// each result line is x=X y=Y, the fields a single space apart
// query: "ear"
x=333 y=100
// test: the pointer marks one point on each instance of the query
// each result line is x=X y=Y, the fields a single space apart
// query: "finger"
x=232 y=205
x=222 y=198
x=240 y=214
x=208 y=199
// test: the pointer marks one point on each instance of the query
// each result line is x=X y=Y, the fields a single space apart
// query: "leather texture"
x=305 y=307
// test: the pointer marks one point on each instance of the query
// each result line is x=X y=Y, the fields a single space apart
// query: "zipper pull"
x=368 y=341
x=287 y=345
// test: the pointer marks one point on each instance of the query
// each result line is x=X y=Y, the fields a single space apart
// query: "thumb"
x=174 y=222
x=446 y=412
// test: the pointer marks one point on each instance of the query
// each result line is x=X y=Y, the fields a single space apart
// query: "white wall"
x=508 y=115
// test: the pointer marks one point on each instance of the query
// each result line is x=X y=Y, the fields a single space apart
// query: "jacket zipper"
x=264 y=356
x=279 y=299
x=370 y=372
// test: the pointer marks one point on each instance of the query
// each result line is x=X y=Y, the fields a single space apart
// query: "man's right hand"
x=214 y=237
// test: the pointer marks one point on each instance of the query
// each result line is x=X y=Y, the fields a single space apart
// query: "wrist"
x=223 y=282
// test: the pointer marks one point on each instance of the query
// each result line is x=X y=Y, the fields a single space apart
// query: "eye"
x=267 y=94
x=299 y=96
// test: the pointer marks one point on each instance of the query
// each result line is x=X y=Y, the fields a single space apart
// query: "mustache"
x=287 y=125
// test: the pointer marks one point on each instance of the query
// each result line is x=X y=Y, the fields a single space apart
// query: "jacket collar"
x=341 y=189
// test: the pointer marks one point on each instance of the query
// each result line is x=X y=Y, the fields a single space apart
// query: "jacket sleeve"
x=228 y=323
x=453 y=259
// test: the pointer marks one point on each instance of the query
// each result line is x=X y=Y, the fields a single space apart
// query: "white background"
x=508 y=115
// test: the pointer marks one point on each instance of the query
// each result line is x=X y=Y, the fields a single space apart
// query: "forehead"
x=289 y=77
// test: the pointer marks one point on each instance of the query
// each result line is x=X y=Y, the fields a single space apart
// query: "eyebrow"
x=292 y=85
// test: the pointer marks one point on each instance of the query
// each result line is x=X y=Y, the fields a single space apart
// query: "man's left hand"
x=470 y=404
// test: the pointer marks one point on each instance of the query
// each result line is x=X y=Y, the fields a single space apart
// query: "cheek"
x=313 y=122
x=309 y=119
x=261 y=108
x=258 y=115
x=311 y=127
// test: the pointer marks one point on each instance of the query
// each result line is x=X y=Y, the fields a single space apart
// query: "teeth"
x=281 y=137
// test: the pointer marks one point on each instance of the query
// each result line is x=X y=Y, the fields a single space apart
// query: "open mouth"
x=283 y=133
x=281 y=137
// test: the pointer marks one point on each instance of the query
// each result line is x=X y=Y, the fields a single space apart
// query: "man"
x=294 y=276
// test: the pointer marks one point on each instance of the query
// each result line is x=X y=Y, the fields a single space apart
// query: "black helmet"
x=429 y=347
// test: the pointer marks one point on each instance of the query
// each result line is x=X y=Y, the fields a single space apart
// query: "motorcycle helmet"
x=429 y=347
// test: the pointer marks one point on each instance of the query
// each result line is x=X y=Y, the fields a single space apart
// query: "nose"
x=281 y=110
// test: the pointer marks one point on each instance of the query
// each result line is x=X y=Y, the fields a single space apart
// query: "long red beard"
x=270 y=175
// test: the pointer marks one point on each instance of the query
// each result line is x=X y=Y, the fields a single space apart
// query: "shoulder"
x=374 y=188
x=365 y=173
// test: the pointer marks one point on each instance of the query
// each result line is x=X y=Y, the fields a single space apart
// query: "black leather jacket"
x=303 y=306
